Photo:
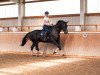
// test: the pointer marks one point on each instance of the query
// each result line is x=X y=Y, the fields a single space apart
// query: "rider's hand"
x=51 y=24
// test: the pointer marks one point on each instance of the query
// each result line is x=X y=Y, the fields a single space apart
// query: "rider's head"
x=46 y=13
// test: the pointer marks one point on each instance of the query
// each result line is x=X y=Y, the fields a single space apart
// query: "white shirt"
x=46 y=20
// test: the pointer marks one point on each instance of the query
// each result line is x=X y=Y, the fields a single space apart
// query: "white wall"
x=39 y=21
x=10 y=22
x=73 y=20
x=92 y=20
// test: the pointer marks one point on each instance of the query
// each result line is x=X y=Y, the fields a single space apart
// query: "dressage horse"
x=53 y=37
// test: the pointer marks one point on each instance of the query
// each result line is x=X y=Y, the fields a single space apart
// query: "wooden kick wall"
x=72 y=44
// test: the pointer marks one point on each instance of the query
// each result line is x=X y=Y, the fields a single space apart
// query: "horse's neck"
x=58 y=28
x=55 y=31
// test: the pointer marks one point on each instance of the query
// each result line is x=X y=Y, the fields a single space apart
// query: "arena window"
x=93 y=6
x=54 y=7
x=8 y=11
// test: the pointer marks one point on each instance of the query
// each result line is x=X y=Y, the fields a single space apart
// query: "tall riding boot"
x=45 y=36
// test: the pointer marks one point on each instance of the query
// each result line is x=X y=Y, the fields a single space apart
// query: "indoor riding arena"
x=69 y=46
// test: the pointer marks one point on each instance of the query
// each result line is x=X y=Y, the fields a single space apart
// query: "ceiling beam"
x=15 y=1
x=38 y=1
x=4 y=0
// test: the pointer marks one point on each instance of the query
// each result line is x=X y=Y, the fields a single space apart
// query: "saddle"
x=44 y=35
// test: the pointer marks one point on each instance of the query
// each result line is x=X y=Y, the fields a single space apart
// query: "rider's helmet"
x=46 y=12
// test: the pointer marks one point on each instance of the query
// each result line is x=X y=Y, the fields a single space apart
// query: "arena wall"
x=72 y=44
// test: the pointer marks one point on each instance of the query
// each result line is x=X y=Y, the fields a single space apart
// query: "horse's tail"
x=25 y=39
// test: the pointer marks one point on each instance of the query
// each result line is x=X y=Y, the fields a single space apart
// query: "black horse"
x=53 y=37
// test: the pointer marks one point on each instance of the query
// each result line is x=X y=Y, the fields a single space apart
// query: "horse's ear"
x=59 y=20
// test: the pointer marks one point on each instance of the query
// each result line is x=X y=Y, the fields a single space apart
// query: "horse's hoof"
x=44 y=55
x=32 y=55
x=64 y=55
x=37 y=56
x=54 y=52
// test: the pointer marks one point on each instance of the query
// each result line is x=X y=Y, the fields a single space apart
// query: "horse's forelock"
x=60 y=22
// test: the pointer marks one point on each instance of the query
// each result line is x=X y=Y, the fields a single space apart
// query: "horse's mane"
x=59 y=22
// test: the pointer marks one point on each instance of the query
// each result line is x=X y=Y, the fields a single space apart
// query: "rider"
x=46 y=25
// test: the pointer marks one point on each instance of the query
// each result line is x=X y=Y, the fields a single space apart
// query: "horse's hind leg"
x=45 y=51
x=37 y=48
x=32 y=48
x=56 y=51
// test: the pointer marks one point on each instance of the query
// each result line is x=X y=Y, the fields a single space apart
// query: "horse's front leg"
x=57 y=44
x=59 y=48
x=62 y=53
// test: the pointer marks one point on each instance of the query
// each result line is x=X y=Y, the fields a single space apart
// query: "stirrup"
x=41 y=34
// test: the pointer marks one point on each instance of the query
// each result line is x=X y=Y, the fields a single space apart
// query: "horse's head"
x=63 y=26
